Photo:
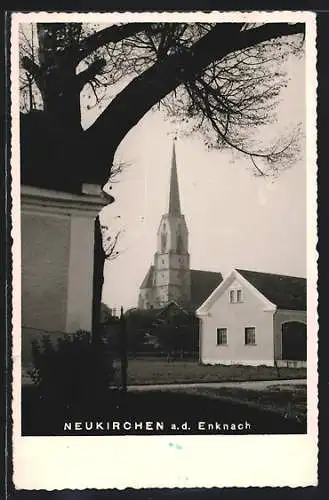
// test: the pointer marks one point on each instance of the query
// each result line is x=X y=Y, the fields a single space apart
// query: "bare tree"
x=221 y=79
x=110 y=243
x=28 y=90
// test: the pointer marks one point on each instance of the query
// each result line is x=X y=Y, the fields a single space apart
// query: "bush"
x=74 y=372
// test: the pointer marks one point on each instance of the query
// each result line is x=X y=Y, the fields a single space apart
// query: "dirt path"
x=250 y=384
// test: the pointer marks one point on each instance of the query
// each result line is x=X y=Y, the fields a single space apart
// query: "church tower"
x=171 y=277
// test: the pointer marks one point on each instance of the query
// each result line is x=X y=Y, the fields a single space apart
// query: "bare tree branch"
x=155 y=83
x=33 y=68
x=116 y=170
x=216 y=70
x=89 y=74
x=110 y=243
x=112 y=34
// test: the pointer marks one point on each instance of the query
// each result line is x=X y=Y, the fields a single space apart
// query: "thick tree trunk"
x=62 y=103
x=69 y=149
x=57 y=80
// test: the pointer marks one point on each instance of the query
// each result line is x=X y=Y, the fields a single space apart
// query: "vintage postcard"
x=164 y=249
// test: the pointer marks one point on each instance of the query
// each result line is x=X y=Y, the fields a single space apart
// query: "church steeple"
x=174 y=202
x=170 y=277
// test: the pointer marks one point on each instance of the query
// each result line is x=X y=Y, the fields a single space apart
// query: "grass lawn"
x=157 y=371
x=160 y=371
x=286 y=400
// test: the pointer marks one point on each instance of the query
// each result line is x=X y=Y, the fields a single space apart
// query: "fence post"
x=124 y=357
x=277 y=368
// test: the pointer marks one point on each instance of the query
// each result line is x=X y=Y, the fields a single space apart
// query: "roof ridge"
x=206 y=271
x=269 y=274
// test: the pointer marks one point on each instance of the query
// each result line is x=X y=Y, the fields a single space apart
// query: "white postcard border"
x=148 y=462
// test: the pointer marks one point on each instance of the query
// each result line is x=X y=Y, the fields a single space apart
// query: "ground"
x=153 y=370
x=287 y=400
x=172 y=408
x=272 y=409
x=157 y=371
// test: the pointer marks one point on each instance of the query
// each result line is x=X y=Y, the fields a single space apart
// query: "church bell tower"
x=172 y=279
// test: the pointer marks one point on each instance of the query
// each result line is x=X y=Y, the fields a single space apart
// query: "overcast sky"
x=234 y=218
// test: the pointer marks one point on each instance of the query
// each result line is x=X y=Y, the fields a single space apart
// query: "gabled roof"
x=286 y=292
x=203 y=283
x=148 y=280
x=276 y=291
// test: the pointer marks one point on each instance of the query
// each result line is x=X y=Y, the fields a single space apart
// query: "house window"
x=250 y=335
x=221 y=336
x=235 y=296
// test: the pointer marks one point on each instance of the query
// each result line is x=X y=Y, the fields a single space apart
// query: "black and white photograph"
x=164 y=246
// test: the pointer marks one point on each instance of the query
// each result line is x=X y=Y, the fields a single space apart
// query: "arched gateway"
x=294 y=341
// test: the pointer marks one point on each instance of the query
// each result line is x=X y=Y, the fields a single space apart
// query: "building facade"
x=255 y=318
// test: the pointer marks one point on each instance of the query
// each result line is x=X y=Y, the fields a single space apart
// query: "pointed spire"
x=174 y=203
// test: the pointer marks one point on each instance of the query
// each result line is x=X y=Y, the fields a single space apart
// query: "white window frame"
x=235 y=296
x=245 y=335
x=222 y=330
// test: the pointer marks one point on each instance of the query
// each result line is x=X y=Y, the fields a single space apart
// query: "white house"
x=254 y=318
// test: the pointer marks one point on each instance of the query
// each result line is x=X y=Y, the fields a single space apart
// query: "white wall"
x=45 y=262
x=235 y=317
x=80 y=274
x=57 y=240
